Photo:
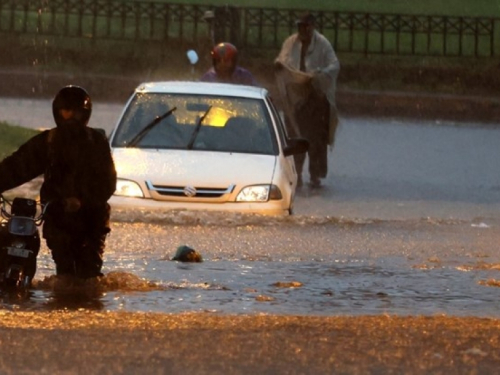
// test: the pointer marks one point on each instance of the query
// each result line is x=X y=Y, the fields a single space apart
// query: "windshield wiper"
x=138 y=137
x=197 y=129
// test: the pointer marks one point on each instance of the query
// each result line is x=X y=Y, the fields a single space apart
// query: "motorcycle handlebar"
x=6 y=214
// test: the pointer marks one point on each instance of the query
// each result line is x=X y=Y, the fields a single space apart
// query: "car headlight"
x=259 y=193
x=127 y=188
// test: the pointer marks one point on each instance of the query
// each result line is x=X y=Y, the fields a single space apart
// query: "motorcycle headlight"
x=127 y=188
x=259 y=193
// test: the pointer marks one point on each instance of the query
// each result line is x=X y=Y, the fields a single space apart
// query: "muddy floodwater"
x=392 y=268
x=301 y=295
x=407 y=223
x=293 y=267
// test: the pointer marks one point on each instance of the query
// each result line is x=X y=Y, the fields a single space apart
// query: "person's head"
x=305 y=27
x=72 y=106
x=224 y=58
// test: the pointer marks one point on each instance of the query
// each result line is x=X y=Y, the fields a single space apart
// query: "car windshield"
x=212 y=123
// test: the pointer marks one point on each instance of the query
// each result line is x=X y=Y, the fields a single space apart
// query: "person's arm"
x=245 y=77
x=209 y=76
x=283 y=59
x=99 y=183
x=327 y=68
x=109 y=173
x=25 y=164
x=251 y=80
x=330 y=63
x=103 y=184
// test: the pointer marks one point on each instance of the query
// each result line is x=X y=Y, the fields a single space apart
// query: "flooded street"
x=407 y=224
x=405 y=268
x=393 y=267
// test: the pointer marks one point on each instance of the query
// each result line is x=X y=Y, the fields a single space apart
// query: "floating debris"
x=490 y=282
x=262 y=298
x=187 y=254
x=291 y=284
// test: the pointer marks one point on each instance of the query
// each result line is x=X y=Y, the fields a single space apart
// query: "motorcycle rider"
x=225 y=67
x=79 y=178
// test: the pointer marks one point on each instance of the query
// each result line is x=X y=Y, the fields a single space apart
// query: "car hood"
x=188 y=167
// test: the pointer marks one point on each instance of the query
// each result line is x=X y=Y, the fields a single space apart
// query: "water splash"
x=235 y=219
x=113 y=281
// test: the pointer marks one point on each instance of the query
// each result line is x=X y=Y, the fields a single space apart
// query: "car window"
x=228 y=124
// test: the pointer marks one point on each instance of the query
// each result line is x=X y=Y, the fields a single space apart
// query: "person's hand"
x=316 y=76
x=278 y=65
x=71 y=204
x=317 y=73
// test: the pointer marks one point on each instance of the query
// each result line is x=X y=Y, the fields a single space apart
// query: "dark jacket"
x=75 y=163
x=241 y=76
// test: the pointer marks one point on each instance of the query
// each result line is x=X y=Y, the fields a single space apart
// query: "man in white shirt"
x=306 y=72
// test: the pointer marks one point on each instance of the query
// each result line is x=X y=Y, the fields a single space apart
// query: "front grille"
x=187 y=191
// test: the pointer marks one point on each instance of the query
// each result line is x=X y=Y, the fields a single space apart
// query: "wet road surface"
x=407 y=223
x=118 y=343
x=406 y=226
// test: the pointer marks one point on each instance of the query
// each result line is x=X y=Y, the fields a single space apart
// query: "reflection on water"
x=301 y=264
x=404 y=227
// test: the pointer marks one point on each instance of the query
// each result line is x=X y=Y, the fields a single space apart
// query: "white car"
x=204 y=146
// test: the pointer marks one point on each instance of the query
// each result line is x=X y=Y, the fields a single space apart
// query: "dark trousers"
x=77 y=242
x=313 y=120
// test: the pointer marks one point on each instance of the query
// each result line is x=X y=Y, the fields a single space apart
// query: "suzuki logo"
x=189 y=191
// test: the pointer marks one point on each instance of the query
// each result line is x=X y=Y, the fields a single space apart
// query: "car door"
x=282 y=136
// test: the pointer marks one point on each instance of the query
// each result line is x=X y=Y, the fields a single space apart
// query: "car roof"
x=202 y=88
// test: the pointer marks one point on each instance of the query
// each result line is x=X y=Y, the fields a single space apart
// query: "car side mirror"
x=296 y=146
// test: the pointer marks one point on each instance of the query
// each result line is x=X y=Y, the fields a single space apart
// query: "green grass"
x=12 y=136
x=487 y=8
x=154 y=59
x=354 y=40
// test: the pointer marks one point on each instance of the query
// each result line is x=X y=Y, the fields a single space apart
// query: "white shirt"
x=321 y=63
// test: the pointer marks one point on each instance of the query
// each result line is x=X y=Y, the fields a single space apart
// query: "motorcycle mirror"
x=192 y=56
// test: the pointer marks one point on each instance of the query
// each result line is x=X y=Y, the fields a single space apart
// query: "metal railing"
x=361 y=33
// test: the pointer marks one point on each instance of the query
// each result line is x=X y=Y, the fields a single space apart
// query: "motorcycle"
x=19 y=241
